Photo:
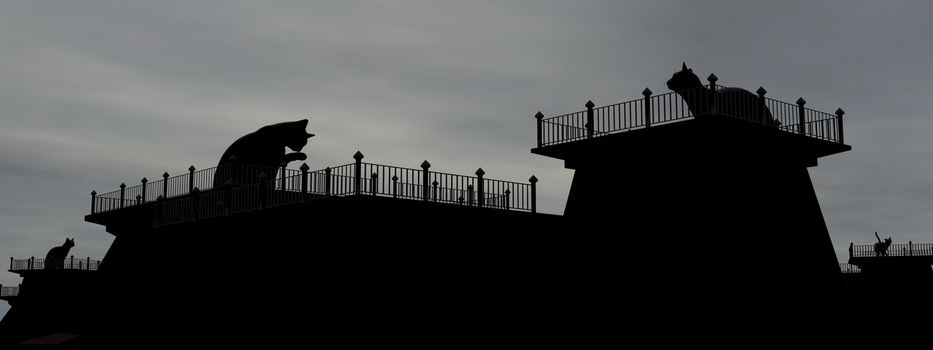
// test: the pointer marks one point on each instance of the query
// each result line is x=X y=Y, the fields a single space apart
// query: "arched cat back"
x=262 y=151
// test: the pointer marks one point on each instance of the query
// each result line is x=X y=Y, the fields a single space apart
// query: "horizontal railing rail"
x=70 y=263
x=685 y=104
x=902 y=249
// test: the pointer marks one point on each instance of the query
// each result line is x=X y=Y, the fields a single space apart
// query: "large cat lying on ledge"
x=734 y=102
x=264 y=148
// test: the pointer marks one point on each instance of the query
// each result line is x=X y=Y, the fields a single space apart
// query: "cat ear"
x=309 y=135
x=684 y=66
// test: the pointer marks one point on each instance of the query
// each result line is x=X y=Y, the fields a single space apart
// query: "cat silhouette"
x=55 y=259
x=262 y=151
x=735 y=102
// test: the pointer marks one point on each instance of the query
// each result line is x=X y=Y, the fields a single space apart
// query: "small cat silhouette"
x=262 y=151
x=55 y=259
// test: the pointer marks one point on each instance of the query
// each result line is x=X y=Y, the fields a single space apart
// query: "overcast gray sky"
x=97 y=93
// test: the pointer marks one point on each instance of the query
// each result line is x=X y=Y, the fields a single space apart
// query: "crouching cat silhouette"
x=262 y=151
x=729 y=101
x=55 y=259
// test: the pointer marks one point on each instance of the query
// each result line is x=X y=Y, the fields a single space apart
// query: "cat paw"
x=296 y=156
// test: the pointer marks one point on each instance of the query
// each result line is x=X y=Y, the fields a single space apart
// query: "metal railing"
x=182 y=185
x=671 y=107
x=849 y=268
x=358 y=178
x=70 y=263
x=9 y=291
x=874 y=250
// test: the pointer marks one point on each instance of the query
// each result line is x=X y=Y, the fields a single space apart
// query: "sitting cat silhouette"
x=55 y=259
x=730 y=101
x=262 y=151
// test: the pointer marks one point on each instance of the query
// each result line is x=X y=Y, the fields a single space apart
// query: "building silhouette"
x=679 y=202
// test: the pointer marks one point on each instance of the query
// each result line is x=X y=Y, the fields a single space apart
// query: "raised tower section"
x=704 y=191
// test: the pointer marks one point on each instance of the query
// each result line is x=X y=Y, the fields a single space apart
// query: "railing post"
x=72 y=261
x=435 y=190
x=304 y=177
x=647 y=93
x=165 y=184
x=122 y=194
x=93 y=202
x=32 y=262
x=394 y=186
x=195 y=203
x=851 y=245
x=910 y=246
x=712 y=78
x=801 y=116
x=284 y=166
x=534 y=194
x=589 y=119
x=374 y=180
x=839 y=113
x=470 y=195
x=539 y=116
x=144 y=181
x=190 y=178
x=88 y=263
x=11 y=263
x=507 y=193
x=262 y=190
x=327 y=181
x=762 y=116
x=480 y=192
x=425 y=180
x=357 y=174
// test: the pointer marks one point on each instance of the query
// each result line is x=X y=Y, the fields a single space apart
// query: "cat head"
x=293 y=134
x=888 y=240
x=684 y=79
x=69 y=243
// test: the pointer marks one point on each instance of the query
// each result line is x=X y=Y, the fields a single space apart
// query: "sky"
x=94 y=93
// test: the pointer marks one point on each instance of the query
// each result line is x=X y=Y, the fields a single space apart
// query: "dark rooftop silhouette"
x=389 y=251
